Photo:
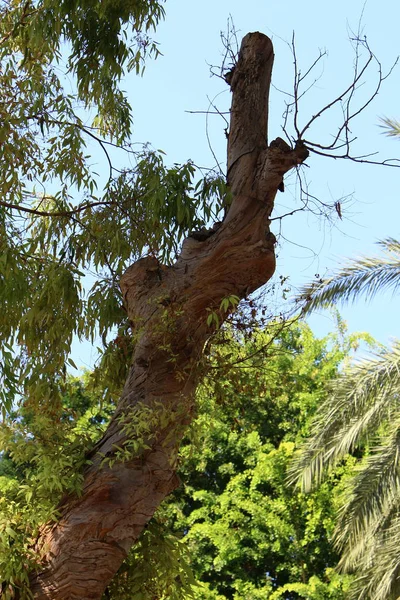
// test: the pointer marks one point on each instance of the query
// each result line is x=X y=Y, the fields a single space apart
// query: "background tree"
x=233 y=528
x=248 y=535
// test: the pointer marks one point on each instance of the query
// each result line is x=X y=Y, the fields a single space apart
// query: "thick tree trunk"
x=168 y=307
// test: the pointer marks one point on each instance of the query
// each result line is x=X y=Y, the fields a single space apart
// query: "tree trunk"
x=133 y=466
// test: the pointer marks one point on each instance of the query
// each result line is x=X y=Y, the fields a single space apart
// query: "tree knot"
x=301 y=151
x=281 y=145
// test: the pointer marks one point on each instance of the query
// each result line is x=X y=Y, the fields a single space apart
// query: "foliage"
x=391 y=126
x=66 y=236
x=157 y=567
x=234 y=530
x=102 y=40
x=362 y=411
x=249 y=536
x=42 y=457
x=67 y=233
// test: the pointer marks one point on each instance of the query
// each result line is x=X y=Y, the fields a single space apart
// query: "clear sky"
x=180 y=81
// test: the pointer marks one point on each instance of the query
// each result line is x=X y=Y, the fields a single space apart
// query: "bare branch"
x=349 y=89
x=208 y=136
x=295 y=90
x=208 y=112
x=342 y=139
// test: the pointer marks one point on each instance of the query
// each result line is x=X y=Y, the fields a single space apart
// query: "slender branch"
x=282 y=326
x=314 y=64
x=295 y=90
x=102 y=145
x=208 y=136
x=85 y=130
x=288 y=214
x=337 y=99
x=208 y=112
x=344 y=144
x=388 y=162
x=62 y=213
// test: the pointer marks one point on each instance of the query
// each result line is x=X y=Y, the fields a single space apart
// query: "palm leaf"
x=370 y=500
x=365 y=275
x=379 y=579
x=391 y=126
x=363 y=398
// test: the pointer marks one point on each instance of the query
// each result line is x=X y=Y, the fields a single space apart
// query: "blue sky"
x=180 y=81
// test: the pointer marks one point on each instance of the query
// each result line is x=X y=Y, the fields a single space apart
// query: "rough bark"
x=168 y=307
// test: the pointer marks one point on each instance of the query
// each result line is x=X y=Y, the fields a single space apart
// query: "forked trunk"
x=168 y=307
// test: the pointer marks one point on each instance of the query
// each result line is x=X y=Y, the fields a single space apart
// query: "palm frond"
x=363 y=398
x=370 y=497
x=390 y=245
x=379 y=579
x=391 y=126
x=365 y=275
x=359 y=553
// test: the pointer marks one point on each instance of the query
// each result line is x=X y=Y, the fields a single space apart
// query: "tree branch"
x=61 y=213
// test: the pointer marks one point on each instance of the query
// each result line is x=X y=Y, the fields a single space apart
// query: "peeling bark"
x=168 y=307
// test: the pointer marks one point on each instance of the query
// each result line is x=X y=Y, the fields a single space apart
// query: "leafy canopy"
x=66 y=232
